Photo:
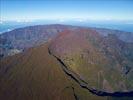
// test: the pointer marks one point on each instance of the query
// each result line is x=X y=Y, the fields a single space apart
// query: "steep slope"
x=124 y=36
x=17 y=40
x=37 y=75
x=24 y=38
x=103 y=64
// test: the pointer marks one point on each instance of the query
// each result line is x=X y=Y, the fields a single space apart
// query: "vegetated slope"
x=37 y=75
x=103 y=64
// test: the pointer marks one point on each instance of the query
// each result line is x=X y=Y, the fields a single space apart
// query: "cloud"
x=61 y=20
x=1 y=22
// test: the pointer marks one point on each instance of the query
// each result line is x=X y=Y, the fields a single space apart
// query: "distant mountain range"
x=20 y=39
x=63 y=62
x=24 y=38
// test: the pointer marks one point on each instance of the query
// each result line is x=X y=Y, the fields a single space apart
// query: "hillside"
x=103 y=63
x=75 y=64
x=23 y=38
x=37 y=75
x=20 y=39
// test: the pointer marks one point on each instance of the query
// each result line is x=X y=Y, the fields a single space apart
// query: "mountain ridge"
x=75 y=64
x=17 y=40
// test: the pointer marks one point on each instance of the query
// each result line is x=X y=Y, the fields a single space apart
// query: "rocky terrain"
x=124 y=36
x=20 y=39
x=23 y=38
x=73 y=63
x=91 y=57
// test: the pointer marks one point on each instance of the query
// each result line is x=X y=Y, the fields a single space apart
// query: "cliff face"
x=37 y=75
x=24 y=38
x=124 y=36
x=103 y=63
x=75 y=64
x=27 y=37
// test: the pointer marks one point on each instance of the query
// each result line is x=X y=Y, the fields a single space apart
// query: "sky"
x=66 y=9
